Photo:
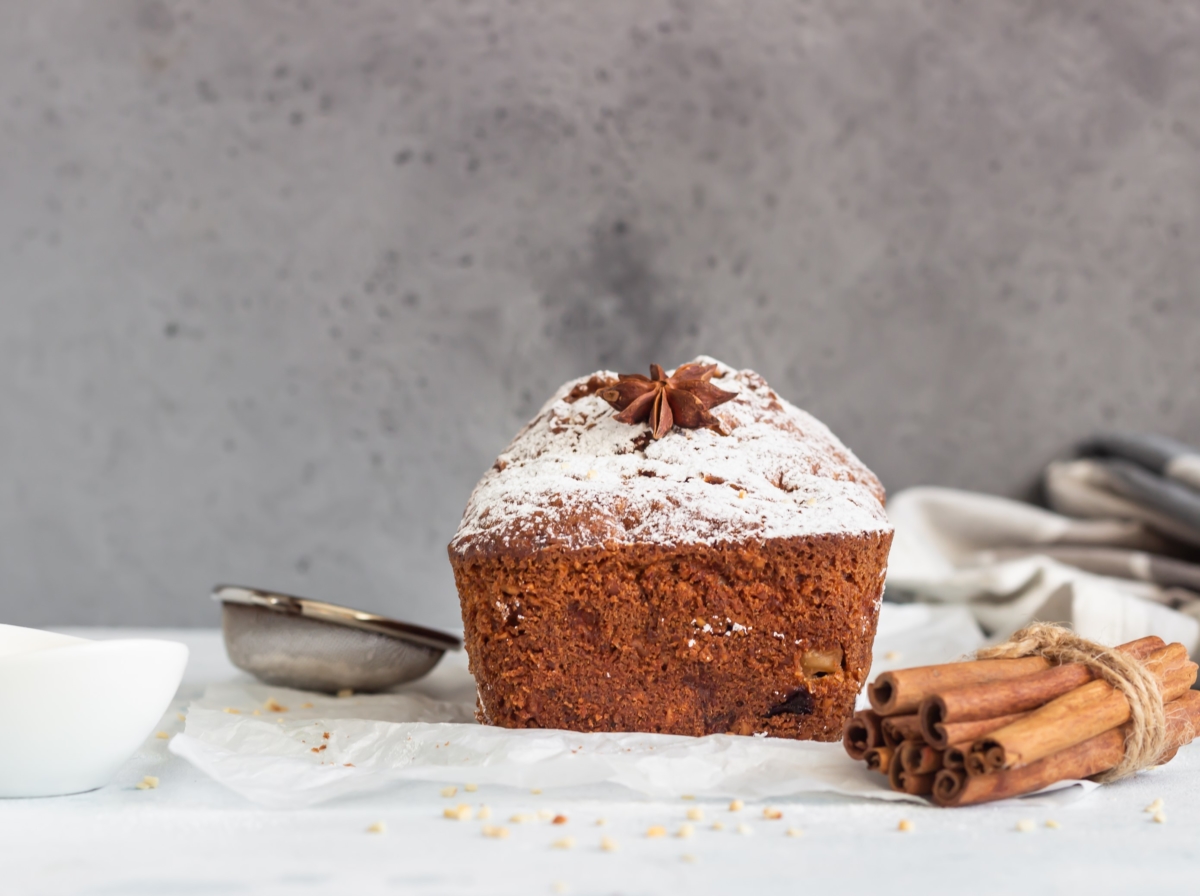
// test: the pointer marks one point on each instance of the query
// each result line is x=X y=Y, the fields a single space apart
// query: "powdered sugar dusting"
x=776 y=472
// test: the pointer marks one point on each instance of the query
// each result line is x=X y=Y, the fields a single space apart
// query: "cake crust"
x=707 y=582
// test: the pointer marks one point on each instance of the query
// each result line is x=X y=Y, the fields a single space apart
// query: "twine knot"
x=1146 y=737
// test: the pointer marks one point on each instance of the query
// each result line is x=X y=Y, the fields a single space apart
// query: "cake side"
x=766 y=637
x=575 y=477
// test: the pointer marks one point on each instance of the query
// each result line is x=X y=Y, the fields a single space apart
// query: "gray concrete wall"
x=279 y=279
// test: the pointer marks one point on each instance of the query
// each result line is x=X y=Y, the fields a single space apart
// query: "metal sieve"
x=315 y=646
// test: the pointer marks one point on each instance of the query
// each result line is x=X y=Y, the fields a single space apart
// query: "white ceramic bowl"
x=74 y=710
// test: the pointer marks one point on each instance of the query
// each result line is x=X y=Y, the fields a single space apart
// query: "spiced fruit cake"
x=687 y=554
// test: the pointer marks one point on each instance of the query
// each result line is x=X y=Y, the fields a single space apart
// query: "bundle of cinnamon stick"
x=989 y=729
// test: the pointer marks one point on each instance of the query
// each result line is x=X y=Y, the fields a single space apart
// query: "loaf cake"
x=718 y=579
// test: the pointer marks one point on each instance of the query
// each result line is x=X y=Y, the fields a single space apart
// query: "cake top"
x=575 y=477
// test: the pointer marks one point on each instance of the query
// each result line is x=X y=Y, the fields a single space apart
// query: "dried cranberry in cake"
x=620 y=571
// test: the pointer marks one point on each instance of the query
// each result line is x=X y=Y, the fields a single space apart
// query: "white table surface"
x=191 y=836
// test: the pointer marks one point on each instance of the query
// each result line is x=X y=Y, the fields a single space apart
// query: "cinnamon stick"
x=1076 y=716
x=965 y=732
x=879 y=759
x=861 y=732
x=897 y=729
x=988 y=701
x=905 y=781
x=919 y=758
x=902 y=690
x=1082 y=760
x=954 y=757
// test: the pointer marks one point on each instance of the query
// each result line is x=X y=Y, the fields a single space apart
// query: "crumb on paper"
x=148 y=783
x=1052 y=824
x=656 y=830
x=601 y=822
x=495 y=832
x=687 y=796
x=279 y=719
x=564 y=843
x=608 y=844
x=795 y=832
x=544 y=814
x=1025 y=825
x=449 y=791
x=772 y=814
x=688 y=857
x=325 y=735
x=560 y=887
x=461 y=812
x=1159 y=817
x=485 y=812
x=906 y=826
x=273 y=705
x=559 y=819
x=717 y=826
x=892 y=655
x=522 y=818
x=695 y=814
x=378 y=827
x=232 y=711
x=685 y=831
x=345 y=692
x=162 y=735
x=320 y=749
x=470 y=788
x=306 y=706
x=745 y=830
x=1155 y=806
x=181 y=717
x=736 y=806
x=255 y=712
x=536 y=790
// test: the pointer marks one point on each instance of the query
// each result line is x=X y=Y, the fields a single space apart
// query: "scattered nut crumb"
x=1154 y=806
x=685 y=831
x=688 y=857
x=1159 y=817
x=1025 y=825
x=346 y=692
x=560 y=887
x=695 y=814
x=306 y=706
x=544 y=814
x=1051 y=823
x=470 y=788
x=772 y=814
x=601 y=822
x=736 y=806
x=449 y=791
x=255 y=712
x=484 y=812
x=496 y=833
x=522 y=818
x=559 y=819
x=325 y=735
x=608 y=844
x=162 y=735
x=742 y=493
x=279 y=719
x=564 y=843
x=717 y=826
x=795 y=832
x=536 y=790
x=181 y=717
x=656 y=830
x=232 y=711
x=905 y=825
x=892 y=655
x=687 y=796
x=745 y=830
x=378 y=827
x=460 y=812
x=148 y=783
x=273 y=705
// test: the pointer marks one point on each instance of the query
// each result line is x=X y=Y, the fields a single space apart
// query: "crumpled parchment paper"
x=325 y=747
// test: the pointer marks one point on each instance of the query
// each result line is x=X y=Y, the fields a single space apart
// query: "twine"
x=1146 y=738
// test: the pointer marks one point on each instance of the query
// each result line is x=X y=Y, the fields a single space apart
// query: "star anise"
x=683 y=399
